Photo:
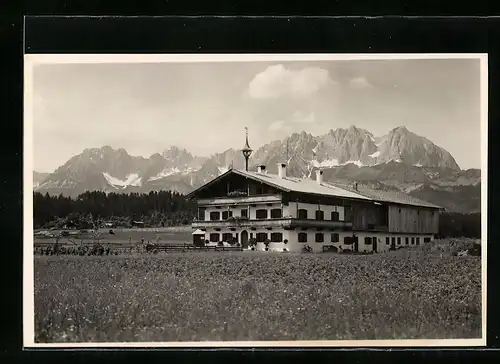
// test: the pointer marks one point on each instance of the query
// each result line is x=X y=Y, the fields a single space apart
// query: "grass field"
x=407 y=294
x=175 y=235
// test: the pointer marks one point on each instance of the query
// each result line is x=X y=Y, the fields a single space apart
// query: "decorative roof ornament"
x=247 y=146
x=247 y=151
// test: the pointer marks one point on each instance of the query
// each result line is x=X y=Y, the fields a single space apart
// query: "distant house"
x=291 y=213
x=109 y=224
x=138 y=224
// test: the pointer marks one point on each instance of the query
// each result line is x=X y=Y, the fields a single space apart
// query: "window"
x=276 y=237
x=302 y=214
x=201 y=213
x=227 y=237
x=418 y=241
x=276 y=213
x=348 y=240
x=427 y=240
x=261 y=214
x=387 y=240
x=407 y=240
x=244 y=213
x=215 y=215
x=214 y=237
x=319 y=238
x=399 y=240
x=261 y=237
x=302 y=237
x=393 y=240
x=335 y=216
x=412 y=241
x=320 y=215
x=368 y=240
x=226 y=215
x=335 y=238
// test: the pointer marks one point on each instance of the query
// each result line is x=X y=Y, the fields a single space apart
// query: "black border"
x=236 y=35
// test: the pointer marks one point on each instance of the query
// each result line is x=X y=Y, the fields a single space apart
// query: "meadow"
x=421 y=293
x=176 y=235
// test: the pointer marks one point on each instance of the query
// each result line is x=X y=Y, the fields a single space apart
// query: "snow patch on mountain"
x=326 y=163
x=132 y=179
x=374 y=155
x=358 y=163
x=334 y=163
x=164 y=173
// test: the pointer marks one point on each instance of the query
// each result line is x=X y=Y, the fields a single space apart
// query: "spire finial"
x=246 y=149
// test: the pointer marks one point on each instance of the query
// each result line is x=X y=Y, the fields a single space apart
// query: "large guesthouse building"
x=276 y=212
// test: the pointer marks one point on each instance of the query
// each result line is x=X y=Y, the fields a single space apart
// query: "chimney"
x=281 y=170
x=261 y=168
x=356 y=186
x=319 y=176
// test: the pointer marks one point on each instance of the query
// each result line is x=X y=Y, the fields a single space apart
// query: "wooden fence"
x=189 y=247
x=124 y=248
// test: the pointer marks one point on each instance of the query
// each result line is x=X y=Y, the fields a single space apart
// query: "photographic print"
x=255 y=200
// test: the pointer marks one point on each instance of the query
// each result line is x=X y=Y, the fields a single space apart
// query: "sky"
x=204 y=107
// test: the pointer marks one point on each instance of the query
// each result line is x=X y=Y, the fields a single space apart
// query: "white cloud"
x=277 y=125
x=304 y=118
x=360 y=82
x=276 y=81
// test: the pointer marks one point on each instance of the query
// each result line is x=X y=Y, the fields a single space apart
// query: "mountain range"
x=400 y=160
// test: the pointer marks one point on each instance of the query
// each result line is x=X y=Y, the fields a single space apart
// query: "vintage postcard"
x=252 y=200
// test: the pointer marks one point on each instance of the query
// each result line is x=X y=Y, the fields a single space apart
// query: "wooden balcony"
x=286 y=223
x=238 y=200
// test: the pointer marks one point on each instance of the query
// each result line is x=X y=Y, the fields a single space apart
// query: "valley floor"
x=407 y=294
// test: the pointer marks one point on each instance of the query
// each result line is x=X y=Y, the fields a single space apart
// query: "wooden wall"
x=406 y=219
x=365 y=215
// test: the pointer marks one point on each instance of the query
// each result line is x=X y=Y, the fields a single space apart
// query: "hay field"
x=175 y=235
x=406 y=294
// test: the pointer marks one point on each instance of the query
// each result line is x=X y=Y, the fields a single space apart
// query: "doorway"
x=244 y=239
x=374 y=239
x=393 y=243
x=356 y=244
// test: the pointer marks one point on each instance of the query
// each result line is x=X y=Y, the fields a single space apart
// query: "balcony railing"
x=286 y=222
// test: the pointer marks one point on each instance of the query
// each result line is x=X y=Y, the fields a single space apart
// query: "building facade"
x=281 y=213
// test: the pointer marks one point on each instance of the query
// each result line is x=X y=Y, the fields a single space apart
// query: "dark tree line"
x=164 y=208
x=455 y=224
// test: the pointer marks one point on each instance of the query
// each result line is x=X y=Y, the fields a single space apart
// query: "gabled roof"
x=310 y=186
x=390 y=196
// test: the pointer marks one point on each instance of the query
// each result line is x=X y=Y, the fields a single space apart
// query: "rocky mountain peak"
x=352 y=153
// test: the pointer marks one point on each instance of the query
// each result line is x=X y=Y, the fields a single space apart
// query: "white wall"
x=293 y=244
x=273 y=246
x=362 y=247
x=237 y=210
x=291 y=210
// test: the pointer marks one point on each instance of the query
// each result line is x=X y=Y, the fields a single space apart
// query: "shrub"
x=306 y=249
